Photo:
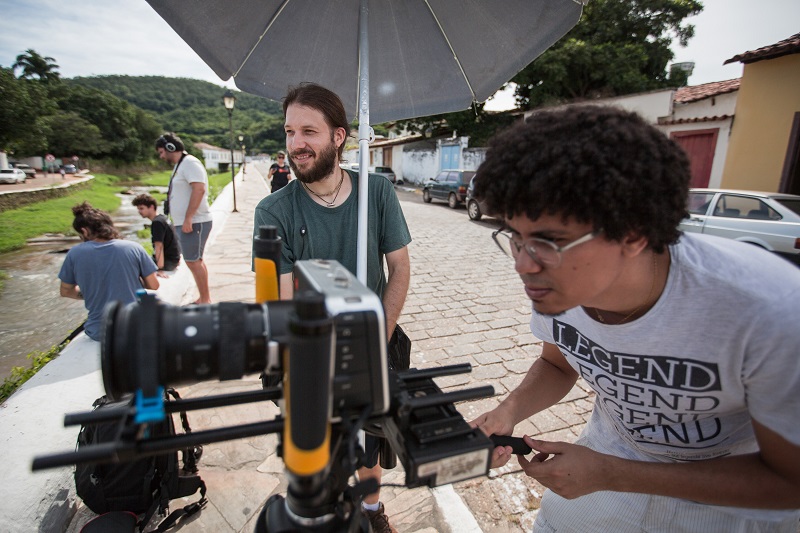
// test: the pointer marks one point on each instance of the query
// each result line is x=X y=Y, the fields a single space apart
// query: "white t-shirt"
x=190 y=170
x=682 y=382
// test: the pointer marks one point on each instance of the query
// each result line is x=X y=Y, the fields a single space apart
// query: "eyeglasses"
x=546 y=253
x=281 y=157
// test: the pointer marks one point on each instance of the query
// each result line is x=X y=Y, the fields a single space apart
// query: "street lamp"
x=229 y=100
x=244 y=156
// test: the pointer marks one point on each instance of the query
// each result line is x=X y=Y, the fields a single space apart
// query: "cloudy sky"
x=95 y=37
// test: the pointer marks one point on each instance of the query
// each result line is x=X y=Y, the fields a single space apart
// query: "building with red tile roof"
x=764 y=149
x=772 y=51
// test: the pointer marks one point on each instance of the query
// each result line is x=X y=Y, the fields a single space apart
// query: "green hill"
x=160 y=95
x=193 y=109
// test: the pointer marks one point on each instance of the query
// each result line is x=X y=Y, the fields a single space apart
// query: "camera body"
x=360 y=363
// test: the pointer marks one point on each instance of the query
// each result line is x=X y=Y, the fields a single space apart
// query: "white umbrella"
x=386 y=59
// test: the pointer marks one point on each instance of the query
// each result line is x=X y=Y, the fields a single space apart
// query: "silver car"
x=387 y=172
x=12 y=175
x=765 y=219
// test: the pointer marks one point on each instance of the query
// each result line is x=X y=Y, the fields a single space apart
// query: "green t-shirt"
x=312 y=231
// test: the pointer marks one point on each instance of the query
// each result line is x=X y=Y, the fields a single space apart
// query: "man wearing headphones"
x=187 y=205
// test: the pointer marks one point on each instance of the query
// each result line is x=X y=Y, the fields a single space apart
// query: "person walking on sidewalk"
x=317 y=218
x=187 y=205
x=689 y=341
x=103 y=268
x=166 y=252
x=279 y=173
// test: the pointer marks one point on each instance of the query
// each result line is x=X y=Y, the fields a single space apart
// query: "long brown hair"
x=97 y=222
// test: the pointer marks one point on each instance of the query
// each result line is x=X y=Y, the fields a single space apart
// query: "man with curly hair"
x=690 y=342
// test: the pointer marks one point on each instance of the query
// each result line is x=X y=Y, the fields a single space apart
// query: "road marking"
x=455 y=511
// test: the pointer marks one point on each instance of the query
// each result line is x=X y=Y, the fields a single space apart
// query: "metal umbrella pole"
x=364 y=138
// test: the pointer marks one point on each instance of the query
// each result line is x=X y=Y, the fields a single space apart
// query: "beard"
x=324 y=165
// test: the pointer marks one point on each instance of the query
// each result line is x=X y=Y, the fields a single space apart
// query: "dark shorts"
x=372 y=447
x=193 y=244
x=169 y=266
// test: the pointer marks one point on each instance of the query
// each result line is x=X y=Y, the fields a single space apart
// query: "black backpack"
x=142 y=486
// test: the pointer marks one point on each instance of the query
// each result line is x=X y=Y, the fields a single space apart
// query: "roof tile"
x=781 y=48
x=685 y=95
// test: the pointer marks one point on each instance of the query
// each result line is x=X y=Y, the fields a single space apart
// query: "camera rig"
x=329 y=344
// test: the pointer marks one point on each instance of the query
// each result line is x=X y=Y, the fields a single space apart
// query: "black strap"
x=177 y=514
x=189 y=486
x=174 y=516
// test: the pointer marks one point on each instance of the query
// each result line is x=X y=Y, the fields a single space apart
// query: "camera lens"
x=192 y=344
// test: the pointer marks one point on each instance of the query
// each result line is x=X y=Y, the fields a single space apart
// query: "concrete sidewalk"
x=463 y=306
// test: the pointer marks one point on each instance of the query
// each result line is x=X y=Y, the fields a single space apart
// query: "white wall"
x=420 y=165
x=471 y=158
x=397 y=162
x=723 y=104
x=651 y=105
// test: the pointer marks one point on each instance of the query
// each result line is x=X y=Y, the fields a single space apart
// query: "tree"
x=22 y=105
x=618 y=47
x=69 y=134
x=35 y=65
x=127 y=134
x=476 y=123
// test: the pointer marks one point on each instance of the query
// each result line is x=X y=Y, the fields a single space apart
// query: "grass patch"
x=145 y=237
x=3 y=278
x=156 y=179
x=216 y=182
x=20 y=375
x=55 y=216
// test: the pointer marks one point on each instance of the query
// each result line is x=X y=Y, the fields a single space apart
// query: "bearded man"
x=317 y=218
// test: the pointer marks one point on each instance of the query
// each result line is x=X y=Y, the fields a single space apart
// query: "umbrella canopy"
x=425 y=56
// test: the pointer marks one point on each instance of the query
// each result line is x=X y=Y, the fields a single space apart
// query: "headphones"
x=168 y=145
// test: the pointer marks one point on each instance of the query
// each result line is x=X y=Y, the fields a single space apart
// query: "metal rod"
x=450 y=397
x=124 y=451
x=222 y=400
x=233 y=175
x=195 y=438
x=435 y=372
x=99 y=416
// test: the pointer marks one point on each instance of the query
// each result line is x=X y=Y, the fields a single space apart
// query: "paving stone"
x=496 y=345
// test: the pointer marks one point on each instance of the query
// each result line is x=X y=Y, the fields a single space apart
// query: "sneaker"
x=379 y=521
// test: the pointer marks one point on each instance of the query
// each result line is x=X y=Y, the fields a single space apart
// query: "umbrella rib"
x=260 y=37
x=455 y=56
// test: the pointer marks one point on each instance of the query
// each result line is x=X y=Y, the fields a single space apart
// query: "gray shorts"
x=193 y=244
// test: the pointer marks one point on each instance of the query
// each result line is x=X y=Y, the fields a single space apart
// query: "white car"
x=766 y=219
x=12 y=175
x=27 y=169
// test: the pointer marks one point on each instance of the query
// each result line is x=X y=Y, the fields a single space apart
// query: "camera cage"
x=331 y=326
